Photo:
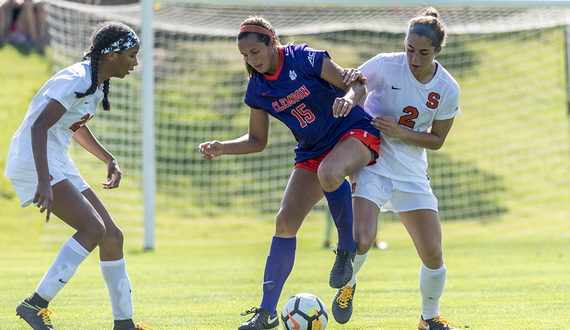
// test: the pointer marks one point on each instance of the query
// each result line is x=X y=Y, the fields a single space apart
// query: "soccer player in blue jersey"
x=303 y=88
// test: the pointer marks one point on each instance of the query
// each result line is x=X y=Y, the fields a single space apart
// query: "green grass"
x=507 y=275
x=512 y=272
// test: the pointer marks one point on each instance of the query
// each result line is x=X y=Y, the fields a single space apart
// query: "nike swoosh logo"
x=351 y=132
x=396 y=88
x=295 y=324
x=272 y=319
x=264 y=93
x=62 y=281
x=267 y=282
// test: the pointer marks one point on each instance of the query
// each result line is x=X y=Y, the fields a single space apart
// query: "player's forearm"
x=39 y=150
x=356 y=91
x=421 y=139
x=89 y=142
x=246 y=144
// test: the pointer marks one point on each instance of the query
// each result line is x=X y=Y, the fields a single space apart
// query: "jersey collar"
x=276 y=75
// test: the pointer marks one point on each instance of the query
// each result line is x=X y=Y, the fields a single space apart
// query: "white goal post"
x=509 y=57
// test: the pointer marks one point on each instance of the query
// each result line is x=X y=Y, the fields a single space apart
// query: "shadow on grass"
x=463 y=191
x=25 y=49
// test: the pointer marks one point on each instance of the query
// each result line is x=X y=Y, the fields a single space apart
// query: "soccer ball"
x=304 y=311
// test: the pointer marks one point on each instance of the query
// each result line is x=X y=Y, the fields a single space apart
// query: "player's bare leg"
x=73 y=208
x=425 y=230
x=347 y=157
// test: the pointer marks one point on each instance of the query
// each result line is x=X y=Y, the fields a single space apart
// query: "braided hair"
x=106 y=34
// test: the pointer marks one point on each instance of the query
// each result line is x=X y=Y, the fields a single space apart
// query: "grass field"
x=507 y=273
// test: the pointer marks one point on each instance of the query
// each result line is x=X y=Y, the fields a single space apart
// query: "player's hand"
x=113 y=175
x=387 y=125
x=43 y=198
x=211 y=149
x=350 y=75
x=341 y=107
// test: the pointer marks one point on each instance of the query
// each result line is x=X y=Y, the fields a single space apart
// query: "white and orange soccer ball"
x=304 y=311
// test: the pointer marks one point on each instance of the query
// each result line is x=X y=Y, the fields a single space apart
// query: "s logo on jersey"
x=433 y=100
x=292 y=74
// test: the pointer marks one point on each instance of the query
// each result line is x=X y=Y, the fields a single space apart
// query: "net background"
x=509 y=62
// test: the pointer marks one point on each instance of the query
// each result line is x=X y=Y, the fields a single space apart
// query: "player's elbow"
x=259 y=148
x=436 y=145
x=38 y=128
x=257 y=144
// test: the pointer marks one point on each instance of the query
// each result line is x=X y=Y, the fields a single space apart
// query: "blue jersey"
x=297 y=96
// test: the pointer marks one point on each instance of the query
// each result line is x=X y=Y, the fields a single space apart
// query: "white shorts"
x=26 y=186
x=393 y=195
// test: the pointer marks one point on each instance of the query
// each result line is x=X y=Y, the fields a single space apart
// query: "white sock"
x=432 y=282
x=119 y=286
x=358 y=262
x=69 y=257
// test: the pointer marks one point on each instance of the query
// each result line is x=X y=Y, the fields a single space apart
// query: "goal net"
x=508 y=150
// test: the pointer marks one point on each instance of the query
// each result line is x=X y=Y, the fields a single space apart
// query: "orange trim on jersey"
x=370 y=140
x=276 y=74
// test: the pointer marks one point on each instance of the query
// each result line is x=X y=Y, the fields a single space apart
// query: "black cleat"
x=261 y=320
x=341 y=273
x=342 y=304
x=437 y=323
x=129 y=325
x=37 y=318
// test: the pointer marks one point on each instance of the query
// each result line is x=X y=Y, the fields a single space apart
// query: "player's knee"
x=284 y=225
x=432 y=258
x=114 y=238
x=330 y=177
x=95 y=230
x=364 y=241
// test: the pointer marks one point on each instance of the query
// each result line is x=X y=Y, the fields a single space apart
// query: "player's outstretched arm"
x=254 y=141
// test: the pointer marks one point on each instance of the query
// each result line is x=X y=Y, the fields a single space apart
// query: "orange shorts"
x=370 y=140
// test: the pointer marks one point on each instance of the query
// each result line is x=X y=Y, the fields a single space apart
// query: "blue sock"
x=277 y=269
x=340 y=205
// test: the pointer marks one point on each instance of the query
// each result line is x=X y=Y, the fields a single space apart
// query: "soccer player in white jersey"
x=42 y=173
x=413 y=100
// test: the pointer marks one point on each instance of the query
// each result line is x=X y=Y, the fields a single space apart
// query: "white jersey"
x=61 y=87
x=393 y=90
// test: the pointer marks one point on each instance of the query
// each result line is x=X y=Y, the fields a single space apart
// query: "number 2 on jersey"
x=413 y=113
x=305 y=116
x=80 y=123
x=408 y=120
